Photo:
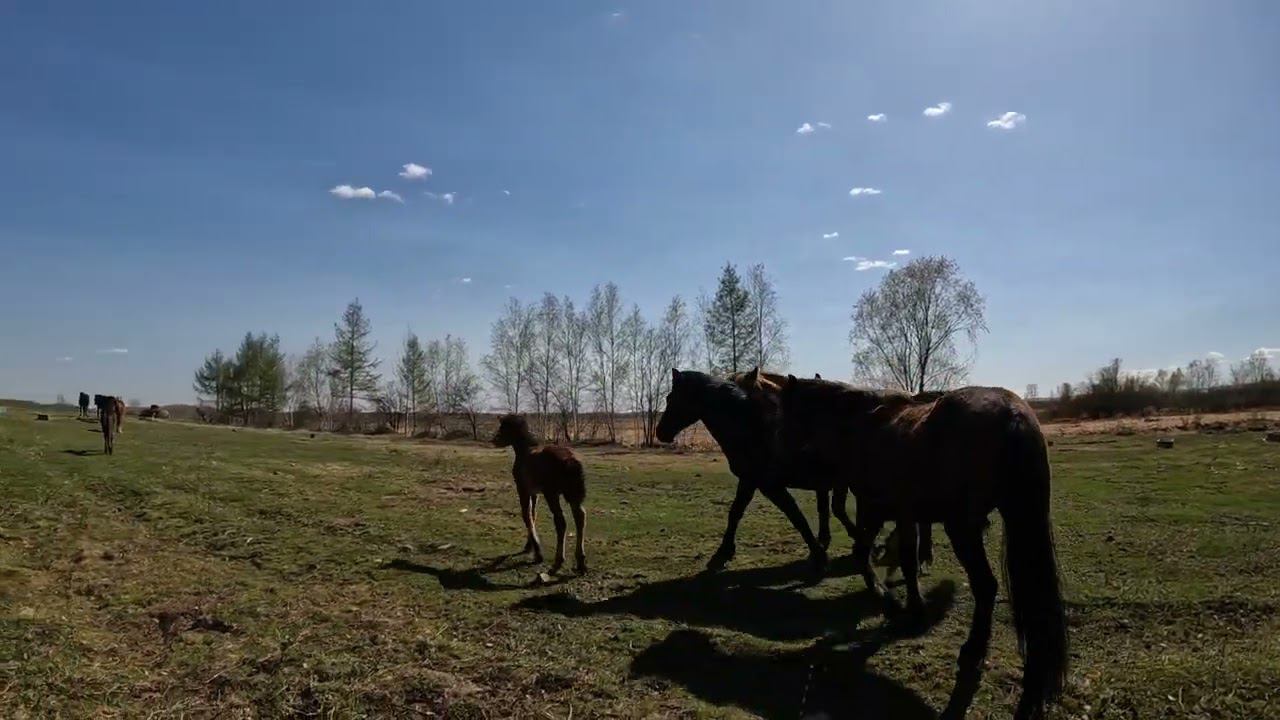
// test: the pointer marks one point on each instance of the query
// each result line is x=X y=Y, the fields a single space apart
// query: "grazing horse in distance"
x=553 y=471
x=953 y=460
x=84 y=404
x=735 y=422
x=107 y=409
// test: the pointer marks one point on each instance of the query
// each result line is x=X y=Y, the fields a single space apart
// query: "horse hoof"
x=719 y=560
x=818 y=563
x=555 y=567
x=580 y=568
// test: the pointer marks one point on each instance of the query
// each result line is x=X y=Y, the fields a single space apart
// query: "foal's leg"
x=727 y=549
x=528 y=501
x=780 y=497
x=824 y=518
x=966 y=540
x=553 y=504
x=926 y=548
x=580 y=527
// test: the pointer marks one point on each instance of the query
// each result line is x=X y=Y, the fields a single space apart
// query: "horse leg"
x=779 y=496
x=966 y=540
x=553 y=504
x=580 y=527
x=528 y=501
x=839 y=496
x=728 y=547
x=824 y=518
x=926 y=548
x=869 y=524
x=909 y=561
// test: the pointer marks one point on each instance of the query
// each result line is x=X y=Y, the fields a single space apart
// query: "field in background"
x=204 y=570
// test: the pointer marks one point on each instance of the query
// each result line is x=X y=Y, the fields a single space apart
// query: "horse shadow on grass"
x=82 y=453
x=762 y=602
x=473 y=578
x=820 y=681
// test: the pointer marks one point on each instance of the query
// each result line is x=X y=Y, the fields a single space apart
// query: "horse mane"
x=518 y=425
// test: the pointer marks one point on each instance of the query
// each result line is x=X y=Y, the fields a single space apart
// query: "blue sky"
x=167 y=170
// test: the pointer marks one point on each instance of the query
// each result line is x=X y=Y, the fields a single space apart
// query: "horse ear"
x=817 y=376
x=753 y=377
x=675 y=376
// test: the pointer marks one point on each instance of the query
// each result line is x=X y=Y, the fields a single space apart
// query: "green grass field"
x=203 y=572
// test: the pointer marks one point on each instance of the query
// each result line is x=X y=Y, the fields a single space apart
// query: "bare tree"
x=463 y=393
x=571 y=346
x=1202 y=374
x=769 y=329
x=608 y=371
x=905 y=332
x=546 y=362
x=1256 y=368
x=1033 y=391
x=510 y=357
x=311 y=381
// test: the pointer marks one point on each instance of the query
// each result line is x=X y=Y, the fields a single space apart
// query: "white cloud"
x=878 y=118
x=1215 y=355
x=868 y=264
x=507 y=193
x=446 y=198
x=414 y=171
x=65 y=358
x=346 y=192
x=828 y=236
x=938 y=110
x=901 y=252
x=1008 y=121
x=824 y=126
x=855 y=192
x=1271 y=353
x=391 y=196
x=113 y=351
x=804 y=129
x=465 y=280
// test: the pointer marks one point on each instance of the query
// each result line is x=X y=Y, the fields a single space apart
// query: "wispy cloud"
x=878 y=118
x=824 y=126
x=391 y=196
x=807 y=129
x=465 y=280
x=113 y=351
x=446 y=198
x=414 y=171
x=938 y=110
x=901 y=252
x=1215 y=355
x=346 y=192
x=618 y=16
x=828 y=236
x=64 y=359
x=507 y=193
x=862 y=264
x=1007 y=121
x=855 y=192
x=1268 y=352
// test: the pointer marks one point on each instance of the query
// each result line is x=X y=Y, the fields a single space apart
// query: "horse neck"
x=726 y=423
x=524 y=448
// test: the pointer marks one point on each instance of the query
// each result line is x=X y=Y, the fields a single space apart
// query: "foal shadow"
x=469 y=578
x=742 y=601
x=82 y=453
x=814 y=682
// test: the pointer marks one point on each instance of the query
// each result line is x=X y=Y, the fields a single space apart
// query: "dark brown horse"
x=84 y=404
x=952 y=460
x=743 y=433
x=556 y=473
x=108 y=418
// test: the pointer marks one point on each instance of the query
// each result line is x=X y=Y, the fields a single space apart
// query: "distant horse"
x=732 y=418
x=952 y=460
x=84 y=404
x=553 y=471
x=757 y=381
x=107 y=409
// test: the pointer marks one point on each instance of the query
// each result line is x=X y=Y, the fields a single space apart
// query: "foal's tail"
x=1031 y=570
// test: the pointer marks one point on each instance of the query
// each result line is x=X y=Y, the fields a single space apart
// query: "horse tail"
x=1031 y=569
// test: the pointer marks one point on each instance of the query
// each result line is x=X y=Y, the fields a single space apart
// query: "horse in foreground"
x=735 y=422
x=952 y=460
x=108 y=418
x=553 y=471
